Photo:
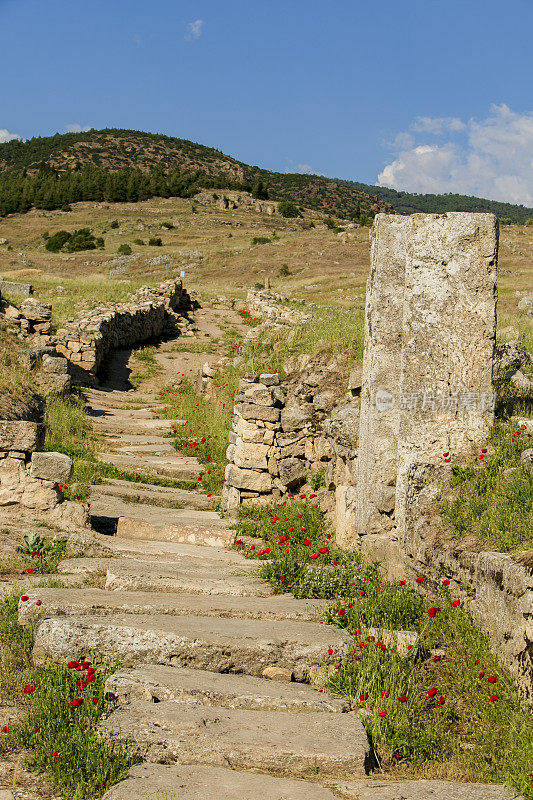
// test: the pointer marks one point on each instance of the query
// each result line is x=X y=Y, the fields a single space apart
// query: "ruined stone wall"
x=270 y=308
x=86 y=341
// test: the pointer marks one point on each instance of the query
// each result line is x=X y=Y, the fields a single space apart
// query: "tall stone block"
x=449 y=322
x=378 y=431
x=429 y=344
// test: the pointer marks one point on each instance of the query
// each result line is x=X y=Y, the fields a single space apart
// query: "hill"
x=118 y=165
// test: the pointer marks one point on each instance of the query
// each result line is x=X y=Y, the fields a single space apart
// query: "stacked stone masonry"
x=86 y=341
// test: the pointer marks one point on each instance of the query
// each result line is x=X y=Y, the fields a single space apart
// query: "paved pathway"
x=212 y=687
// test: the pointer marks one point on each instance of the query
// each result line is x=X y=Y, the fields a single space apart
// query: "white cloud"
x=491 y=157
x=6 y=136
x=437 y=125
x=76 y=128
x=194 y=29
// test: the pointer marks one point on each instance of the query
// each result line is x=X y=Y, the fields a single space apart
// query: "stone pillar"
x=377 y=459
x=449 y=323
x=429 y=342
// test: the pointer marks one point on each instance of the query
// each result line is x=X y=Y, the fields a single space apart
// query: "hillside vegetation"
x=118 y=165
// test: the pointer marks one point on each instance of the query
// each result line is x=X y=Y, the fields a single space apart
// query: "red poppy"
x=341 y=611
x=362 y=593
x=431 y=692
x=363 y=696
x=306 y=542
x=7 y=729
x=382 y=713
x=314 y=555
x=73 y=664
x=77 y=702
x=402 y=698
x=456 y=603
x=446 y=582
x=24 y=598
x=481 y=675
x=323 y=550
x=385 y=694
x=371 y=638
x=30 y=570
x=402 y=583
x=95 y=700
x=492 y=679
x=29 y=689
x=493 y=698
x=420 y=579
x=433 y=611
x=437 y=658
x=330 y=651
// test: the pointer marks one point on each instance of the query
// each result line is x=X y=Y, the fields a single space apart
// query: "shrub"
x=168 y=225
x=155 y=241
x=317 y=479
x=288 y=209
x=506 y=221
x=284 y=271
x=529 y=221
x=139 y=242
x=259 y=285
x=261 y=240
x=124 y=249
x=56 y=242
x=66 y=207
x=114 y=224
x=81 y=239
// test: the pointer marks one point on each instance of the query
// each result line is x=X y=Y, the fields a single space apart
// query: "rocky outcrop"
x=86 y=341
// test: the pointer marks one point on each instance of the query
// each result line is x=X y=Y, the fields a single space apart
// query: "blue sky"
x=426 y=95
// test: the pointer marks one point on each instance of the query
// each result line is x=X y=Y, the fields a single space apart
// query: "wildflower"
x=330 y=651
x=38 y=602
x=433 y=611
x=77 y=702
x=238 y=542
x=383 y=713
x=363 y=696
x=481 y=675
x=95 y=701
x=314 y=555
x=24 y=598
x=341 y=611
x=456 y=603
x=492 y=679
x=73 y=664
x=306 y=542
x=362 y=593
x=402 y=698
x=431 y=692
x=401 y=583
x=30 y=570
x=493 y=698
x=385 y=694
x=446 y=582
x=437 y=658
x=29 y=689
x=371 y=638
x=7 y=729
x=420 y=579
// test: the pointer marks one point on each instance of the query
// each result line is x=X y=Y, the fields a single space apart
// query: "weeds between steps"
x=69 y=431
x=446 y=709
x=62 y=707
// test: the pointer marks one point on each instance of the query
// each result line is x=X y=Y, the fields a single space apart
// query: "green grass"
x=57 y=739
x=465 y=736
x=492 y=498
x=204 y=432
x=145 y=366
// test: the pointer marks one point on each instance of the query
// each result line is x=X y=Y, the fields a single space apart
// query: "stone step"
x=126 y=425
x=213 y=644
x=176 y=467
x=161 y=448
x=381 y=789
x=148 y=522
x=154 y=495
x=157 y=683
x=64 y=602
x=162 y=782
x=139 y=550
x=193 y=575
x=280 y=743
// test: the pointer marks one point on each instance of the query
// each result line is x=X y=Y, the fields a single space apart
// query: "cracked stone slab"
x=156 y=495
x=277 y=742
x=421 y=790
x=158 y=683
x=161 y=782
x=65 y=602
x=214 y=644
x=167 y=466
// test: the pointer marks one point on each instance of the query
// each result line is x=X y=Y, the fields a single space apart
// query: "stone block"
x=292 y=472
x=248 y=479
x=55 y=365
x=269 y=379
x=259 y=394
x=295 y=417
x=55 y=467
x=251 y=456
x=21 y=435
x=258 y=412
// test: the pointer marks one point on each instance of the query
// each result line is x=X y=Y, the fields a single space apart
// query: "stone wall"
x=86 y=341
x=271 y=308
x=14 y=287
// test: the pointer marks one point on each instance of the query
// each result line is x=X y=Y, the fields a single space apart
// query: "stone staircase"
x=212 y=689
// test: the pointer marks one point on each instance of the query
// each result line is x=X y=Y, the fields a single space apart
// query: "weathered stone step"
x=122 y=424
x=279 y=743
x=217 y=645
x=176 y=467
x=381 y=789
x=64 y=602
x=155 y=495
x=157 y=553
x=145 y=521
x=154 y=781
x=157 y=683
x=195 y=576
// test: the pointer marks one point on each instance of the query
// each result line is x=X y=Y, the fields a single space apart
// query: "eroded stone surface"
x=280 y=743
x=421 y=790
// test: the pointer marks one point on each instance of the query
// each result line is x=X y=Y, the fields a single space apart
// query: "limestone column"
x=378 y=432
x=449 y=327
